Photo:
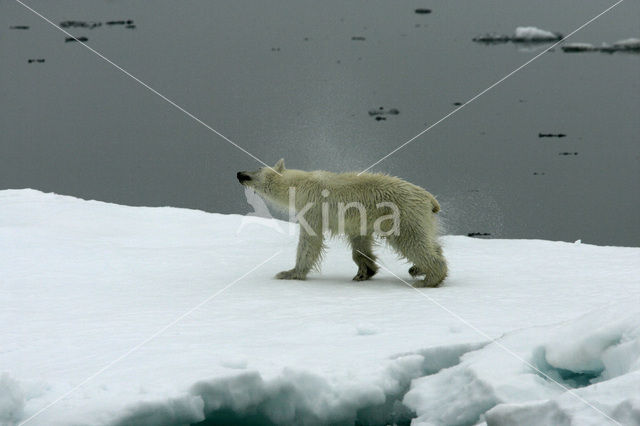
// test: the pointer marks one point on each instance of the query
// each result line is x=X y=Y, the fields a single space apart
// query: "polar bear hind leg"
x=363 y=256
x=419 y=248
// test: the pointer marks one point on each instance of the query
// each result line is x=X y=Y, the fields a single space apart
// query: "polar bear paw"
x=364 y=273
x=414 y=271
x=291 y=274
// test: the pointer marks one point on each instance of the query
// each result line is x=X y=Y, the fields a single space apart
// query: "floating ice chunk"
x=333 y=375
x=535 y=34
x=579 y=47
x=492 y=38
x=627 y=44
x=521 y=35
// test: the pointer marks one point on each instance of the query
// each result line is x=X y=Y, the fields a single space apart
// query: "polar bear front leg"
x=308 y=256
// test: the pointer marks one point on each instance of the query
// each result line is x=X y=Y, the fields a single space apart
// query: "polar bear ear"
x=279 y=167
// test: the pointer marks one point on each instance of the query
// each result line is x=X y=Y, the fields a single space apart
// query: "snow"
x=116 y=315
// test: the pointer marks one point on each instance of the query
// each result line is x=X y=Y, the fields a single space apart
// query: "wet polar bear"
x=360 y=207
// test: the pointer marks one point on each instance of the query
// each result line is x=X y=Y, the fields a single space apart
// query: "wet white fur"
x=416 y=236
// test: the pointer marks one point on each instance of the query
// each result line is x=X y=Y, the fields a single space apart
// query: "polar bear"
x=360 y=206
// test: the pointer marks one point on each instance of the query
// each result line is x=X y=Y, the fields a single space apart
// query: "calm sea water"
x=297 y=79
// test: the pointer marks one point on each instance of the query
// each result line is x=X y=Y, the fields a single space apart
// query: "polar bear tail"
x=435 y=206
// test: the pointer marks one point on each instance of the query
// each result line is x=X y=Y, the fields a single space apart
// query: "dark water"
x=297 y=79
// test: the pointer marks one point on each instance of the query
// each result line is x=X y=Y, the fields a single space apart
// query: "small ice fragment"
x=578 y=47
x=71 y=39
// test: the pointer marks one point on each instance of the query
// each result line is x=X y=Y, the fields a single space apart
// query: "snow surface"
x=164 y=316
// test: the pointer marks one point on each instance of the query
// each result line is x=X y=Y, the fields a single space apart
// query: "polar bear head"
x=265 y=181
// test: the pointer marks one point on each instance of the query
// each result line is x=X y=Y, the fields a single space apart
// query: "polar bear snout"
x=243 y=177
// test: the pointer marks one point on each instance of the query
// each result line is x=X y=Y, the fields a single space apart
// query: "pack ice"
x=116 y=315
